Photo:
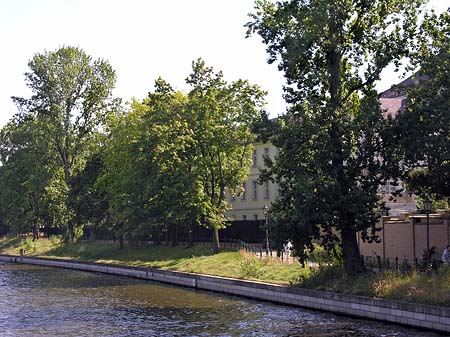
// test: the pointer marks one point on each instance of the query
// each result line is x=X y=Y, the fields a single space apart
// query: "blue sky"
x=142 y=39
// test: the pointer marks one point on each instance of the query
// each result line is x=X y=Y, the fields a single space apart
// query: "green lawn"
x=432 y=288
x=198 y=259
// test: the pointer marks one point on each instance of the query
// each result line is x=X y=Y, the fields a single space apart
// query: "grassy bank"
x=433 y=288
x=197 y=259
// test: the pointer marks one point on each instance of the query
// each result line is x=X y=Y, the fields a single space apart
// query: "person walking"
x=287 y=249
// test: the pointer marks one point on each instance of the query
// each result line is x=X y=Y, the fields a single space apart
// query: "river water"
x=42 y=301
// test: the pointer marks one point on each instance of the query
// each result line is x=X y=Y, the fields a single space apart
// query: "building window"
x=266 y=155
x=255 y=158
x=266 y=190
x=244 y=217
x=255 y=216
x=244 y=191
x=255 y=189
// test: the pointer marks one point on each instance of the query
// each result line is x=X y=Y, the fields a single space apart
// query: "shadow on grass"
x=93 y=251
x=416 y=287
x=332 y=278
x=9 y=243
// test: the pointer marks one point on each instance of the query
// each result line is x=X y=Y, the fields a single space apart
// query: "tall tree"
x=221 y=116
x=149 y=175
x=121 y=178
x=71 y=94
x=173 y=156
x=177 y=201
x=329 y=167
x=27 y=171
x=422 y=129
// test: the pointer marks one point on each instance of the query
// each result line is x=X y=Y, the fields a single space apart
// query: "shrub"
x=28 y=245
x=324 y=258
x=250 y=267
x=55 y=240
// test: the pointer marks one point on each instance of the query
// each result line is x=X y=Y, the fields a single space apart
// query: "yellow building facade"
x=249 y=203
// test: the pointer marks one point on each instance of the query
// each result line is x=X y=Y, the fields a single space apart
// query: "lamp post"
x=266 y=216
x=384 y=213
x=427 y=208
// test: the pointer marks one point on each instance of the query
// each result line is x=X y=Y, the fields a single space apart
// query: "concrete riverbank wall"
x=416 y=315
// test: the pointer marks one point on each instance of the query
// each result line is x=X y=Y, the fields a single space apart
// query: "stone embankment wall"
x=416 y=315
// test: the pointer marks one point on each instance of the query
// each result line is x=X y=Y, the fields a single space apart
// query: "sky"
x=142 y=40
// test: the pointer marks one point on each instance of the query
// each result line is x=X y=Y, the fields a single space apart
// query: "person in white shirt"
x=287 y=249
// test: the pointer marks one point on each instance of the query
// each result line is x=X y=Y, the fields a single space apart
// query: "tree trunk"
x=190 y=242
x=156 y=236
x=121 y=241
x=216 y=243
x=352 y=259
x=174 y=240
x=71 y=231
x=35 y=229
x=167 y=237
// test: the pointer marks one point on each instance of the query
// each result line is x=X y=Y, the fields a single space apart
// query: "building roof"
x=393 y=100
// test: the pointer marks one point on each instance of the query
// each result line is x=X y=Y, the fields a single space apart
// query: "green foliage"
x=170 y=159
x=28 y=172
x=163 y=166
x=221 y=116
x=78 y=232
x=325 y=257
x=148 y=176
x=55 y=240
x=331 y=139
x=428 y=288
x=70 y=97
x=322 y=277
x=250 y=266
x=423 y=128
x=28 y=245
x=86 y=198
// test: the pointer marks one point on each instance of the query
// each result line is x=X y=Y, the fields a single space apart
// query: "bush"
x=28 y=245
x=323 y=257
x=250 y=267
x=55 y=240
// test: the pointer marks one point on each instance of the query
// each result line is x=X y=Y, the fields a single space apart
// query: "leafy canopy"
x=423 y=128
x=330 y=165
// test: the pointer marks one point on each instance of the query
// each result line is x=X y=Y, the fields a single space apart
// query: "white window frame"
x=254 y=190
x=266 y=190
x=255 y=158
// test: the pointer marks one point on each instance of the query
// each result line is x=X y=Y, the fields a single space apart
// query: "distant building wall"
x=405 y=237
x=249 y=204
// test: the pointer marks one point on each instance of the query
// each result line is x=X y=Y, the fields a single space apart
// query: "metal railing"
x=260 y=252
x=377 y=263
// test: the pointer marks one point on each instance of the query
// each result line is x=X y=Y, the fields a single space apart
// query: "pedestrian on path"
x=287 y=249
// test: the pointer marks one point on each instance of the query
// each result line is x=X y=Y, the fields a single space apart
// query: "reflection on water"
x=42 y=301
